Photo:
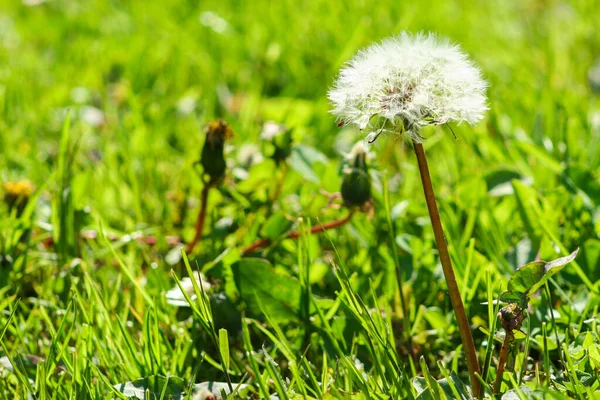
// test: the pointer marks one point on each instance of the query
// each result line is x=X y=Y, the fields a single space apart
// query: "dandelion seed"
x=408 y=82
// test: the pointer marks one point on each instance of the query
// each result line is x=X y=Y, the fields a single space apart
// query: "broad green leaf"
x=526 y=276
x=302 y=160
x=499 y=181
x=552 y=268
x=513 y=297
x=436 y=318
x=276 y=226
x=279 y=292
x=594 y=354
x=532 y=276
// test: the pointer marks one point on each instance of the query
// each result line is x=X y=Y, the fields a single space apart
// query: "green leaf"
x=276 y=226
x=584 y=179
x=436 y=318
x=513 y=297
x=302 y=160
x=526 y=276
x=279 y=292
x=499 y=181
x=529 y=209
x=224 y=347
x=590 y=258
x=552 y=268
x=532 y=276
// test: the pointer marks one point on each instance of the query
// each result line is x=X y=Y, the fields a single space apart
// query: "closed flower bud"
x=213 y=159
x=356 y=183
x=511 y=317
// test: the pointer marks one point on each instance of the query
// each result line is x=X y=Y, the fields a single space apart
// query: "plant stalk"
x=455 y=298
x=502 y=360
x=201 y=215
x=259 y=244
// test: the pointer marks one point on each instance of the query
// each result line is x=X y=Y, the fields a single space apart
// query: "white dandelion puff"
x=407 y=82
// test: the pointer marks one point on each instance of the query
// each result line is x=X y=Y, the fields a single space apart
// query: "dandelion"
x=400 y=86
x=214 y=167
x=408 y=82
x=17 y=194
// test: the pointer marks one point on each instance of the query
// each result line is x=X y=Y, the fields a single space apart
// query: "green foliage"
x=532 y=276
x=103 y=107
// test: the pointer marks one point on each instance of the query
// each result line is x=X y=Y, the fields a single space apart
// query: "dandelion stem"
x=201 y=215
x=259 y=244
x=455 y=298
x=502 y=360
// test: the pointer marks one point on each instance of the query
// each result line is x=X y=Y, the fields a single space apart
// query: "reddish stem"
x=201 y=216
x=459 y=309
x=502 y=361
x=259 y=244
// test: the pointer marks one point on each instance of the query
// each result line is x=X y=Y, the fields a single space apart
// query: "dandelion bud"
x=511 y=317
x=281 y=139
x=17 y=194
x=356 y=183
x=212 y=159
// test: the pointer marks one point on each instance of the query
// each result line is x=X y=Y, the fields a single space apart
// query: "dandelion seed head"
x=408 y=82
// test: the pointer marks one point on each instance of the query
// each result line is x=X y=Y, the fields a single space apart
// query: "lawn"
x=106 y=112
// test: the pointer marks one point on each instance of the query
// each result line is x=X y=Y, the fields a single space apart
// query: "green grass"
x=317 y=317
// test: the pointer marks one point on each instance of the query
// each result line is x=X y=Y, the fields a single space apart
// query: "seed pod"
x=212 y=158
x=356 y=183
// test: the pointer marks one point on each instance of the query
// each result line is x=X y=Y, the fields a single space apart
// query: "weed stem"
x=457 y=303
x=259 y=244
x=502 y=360
x=201 y=215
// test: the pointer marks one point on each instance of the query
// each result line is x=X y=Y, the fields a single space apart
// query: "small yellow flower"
x=17 y=193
